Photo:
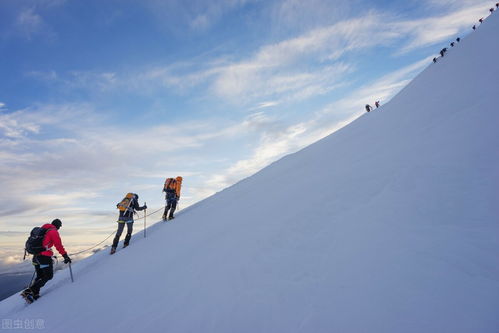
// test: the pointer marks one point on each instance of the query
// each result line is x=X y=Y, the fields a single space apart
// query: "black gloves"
x=67 y=259
x=145 y=207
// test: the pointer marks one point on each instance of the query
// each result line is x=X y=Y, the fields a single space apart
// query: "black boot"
x=29 y=295
x=127 y=240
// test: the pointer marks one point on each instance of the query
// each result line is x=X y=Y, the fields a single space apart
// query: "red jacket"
x=52 y=238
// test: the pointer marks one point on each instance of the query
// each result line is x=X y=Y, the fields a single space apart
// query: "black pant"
x=44 y=272
x=128 y=236
x=171 y=204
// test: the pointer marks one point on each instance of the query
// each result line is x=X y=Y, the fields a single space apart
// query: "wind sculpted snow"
x=388 y=225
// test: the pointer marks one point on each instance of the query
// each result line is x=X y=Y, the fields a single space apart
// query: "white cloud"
x=30 y=24
x=12 y=127
x=43 y=75
x=297 y=15
x=458 y=3
x=429 y=31
x=266 y=104
x=248 y=82
x=197 y=15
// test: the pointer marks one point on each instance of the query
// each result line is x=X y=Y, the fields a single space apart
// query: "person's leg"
x=128 y=236
x=44 y=273
x=174 y=206
x=167 y=207
x=116 y=239
x=37 y=275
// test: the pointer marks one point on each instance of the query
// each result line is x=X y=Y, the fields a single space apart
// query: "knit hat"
x=57 y=223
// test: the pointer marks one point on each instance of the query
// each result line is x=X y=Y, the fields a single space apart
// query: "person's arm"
x=137 y=207
x=56 y=240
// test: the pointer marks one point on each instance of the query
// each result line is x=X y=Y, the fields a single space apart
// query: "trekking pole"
x=145 y=215
x=71 y=273
x=31 y=281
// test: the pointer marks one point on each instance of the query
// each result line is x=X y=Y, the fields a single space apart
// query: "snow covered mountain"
x=389 y=225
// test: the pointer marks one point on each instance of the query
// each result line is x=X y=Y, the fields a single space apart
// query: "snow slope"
x=389 y=225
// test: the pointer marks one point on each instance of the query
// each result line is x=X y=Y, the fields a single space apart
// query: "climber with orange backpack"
x=127 y=208
x=172 y=188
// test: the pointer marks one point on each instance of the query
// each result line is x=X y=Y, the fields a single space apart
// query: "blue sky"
x=101 y=98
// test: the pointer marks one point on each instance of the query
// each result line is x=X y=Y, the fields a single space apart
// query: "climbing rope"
x=139 y=218
x=112 y=233
x=90 y=248
x=101 y=242
x=83 y=251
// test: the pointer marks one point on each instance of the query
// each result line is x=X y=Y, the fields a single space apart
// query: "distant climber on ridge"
x=39 y=244
x=127 y=208
x=376 y=104
x=368 y=108
x=172 y=188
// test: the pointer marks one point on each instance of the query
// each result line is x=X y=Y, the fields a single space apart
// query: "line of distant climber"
x=458 y=39
x=442 y=52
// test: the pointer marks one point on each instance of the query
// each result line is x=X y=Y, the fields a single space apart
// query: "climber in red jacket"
x=43 y=260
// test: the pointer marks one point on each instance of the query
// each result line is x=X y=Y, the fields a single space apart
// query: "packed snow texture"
x=389 y=225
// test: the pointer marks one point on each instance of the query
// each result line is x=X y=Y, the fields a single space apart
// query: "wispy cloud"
x=296 y=15
x=196 y=15
x=458 y=3
x=30 y=23
x=266 y=104
x=429 y=31
x=12 y=128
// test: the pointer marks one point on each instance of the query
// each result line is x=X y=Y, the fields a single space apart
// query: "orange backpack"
x=170 y=184
x=124 y=205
